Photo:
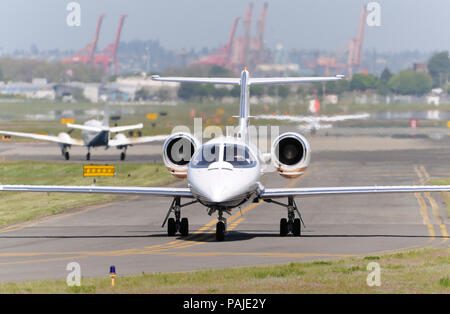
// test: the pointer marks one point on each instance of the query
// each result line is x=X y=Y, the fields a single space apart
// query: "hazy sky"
x=309 y=24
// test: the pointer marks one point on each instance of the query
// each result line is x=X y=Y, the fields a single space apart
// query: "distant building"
x=278 y=69
x=132 y=84
x=433 y=100
x=420 y=67
x=38 y=89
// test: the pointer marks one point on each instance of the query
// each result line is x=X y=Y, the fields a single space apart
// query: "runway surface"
x=128 y=233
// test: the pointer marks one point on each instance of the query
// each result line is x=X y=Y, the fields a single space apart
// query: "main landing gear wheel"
x=67 y=155
x=283 y=227
x=122 y=156
x=181 y=226
x=291 y=224
x=184 y=227
x=220 y=231
x=88 y=156
x=177 y=224
x=171 y=227
x=296 y=227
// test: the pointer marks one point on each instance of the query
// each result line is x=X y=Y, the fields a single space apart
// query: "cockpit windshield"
x=239 y=156
x=206 y=156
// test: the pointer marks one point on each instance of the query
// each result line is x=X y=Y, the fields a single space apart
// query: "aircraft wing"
x=212 y=80
x=66 y=139
x=282 y=80
x=154 y=191
x=121 y=141
x=312 y=119
x=114 y=129
x=124 y=128
x=85 y=127
x=323 y=191
x=252 y=81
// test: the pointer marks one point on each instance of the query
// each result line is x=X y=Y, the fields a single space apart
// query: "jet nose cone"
x=216 y=194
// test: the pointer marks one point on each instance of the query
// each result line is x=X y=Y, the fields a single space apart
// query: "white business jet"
x=225 y=172
x=94 y=133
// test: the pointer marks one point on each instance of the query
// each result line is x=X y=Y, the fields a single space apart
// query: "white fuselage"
x=232 y=173
x=95 y=138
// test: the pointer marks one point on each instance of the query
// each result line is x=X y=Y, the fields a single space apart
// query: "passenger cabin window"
x=206 y=156
x=239 y=156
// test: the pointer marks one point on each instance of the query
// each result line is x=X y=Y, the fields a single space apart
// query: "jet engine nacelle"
x=177 y=152
x=120 y=137
x=64 y=136
x=291 y=154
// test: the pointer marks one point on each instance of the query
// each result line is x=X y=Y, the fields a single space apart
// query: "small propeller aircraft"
x=94 y=133
x=225 y=172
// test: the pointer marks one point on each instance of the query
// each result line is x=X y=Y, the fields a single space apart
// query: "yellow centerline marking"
x=424 y=178
x=236 y=223
x=435 y=208
x=426 y=219
x=424 y=207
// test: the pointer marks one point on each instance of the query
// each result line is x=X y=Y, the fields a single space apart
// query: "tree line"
x=406 y=82
x=27 y=69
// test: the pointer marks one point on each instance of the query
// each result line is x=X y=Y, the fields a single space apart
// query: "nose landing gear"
x=221 y=226
x=88 y=155
x=64 y=152
x=123 y=154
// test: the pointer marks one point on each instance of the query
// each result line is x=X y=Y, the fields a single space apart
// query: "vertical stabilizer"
x=244 y=108
x=106 y=114
x=245 y=81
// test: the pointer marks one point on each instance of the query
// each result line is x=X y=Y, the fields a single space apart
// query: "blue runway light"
x=112 y=274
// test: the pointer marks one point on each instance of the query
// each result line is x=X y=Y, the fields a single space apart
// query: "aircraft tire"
x=220 y=231
x=171 y=227
x=184 y=227
x=296 y=227
x=283 y=227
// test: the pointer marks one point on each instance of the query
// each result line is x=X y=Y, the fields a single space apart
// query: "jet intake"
x=177 y=152
x=291 y=154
